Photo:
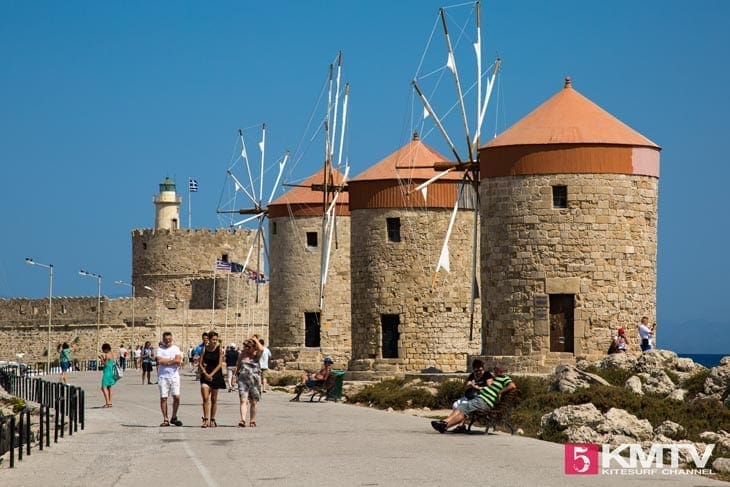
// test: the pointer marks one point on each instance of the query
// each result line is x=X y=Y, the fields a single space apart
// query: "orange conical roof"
x=302 y=194
x=569 y=118
x=413 y=161
x=302 y=200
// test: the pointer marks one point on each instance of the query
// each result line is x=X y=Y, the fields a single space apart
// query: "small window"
x=560 y=196
x=169 y=247
x=144 y=245
x=63 y=309
x=174 y=224
x=273 y=228
x=224 y=257
x=393 y=229
x=311 y=329
x=311 y=239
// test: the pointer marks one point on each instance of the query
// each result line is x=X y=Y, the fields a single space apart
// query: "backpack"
x=613 y=348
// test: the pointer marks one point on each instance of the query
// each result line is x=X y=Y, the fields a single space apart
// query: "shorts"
x=311 y=383
x=250 y=390
x=65 y=366
x=146 y=366
x=169 y=385
x=472 y=406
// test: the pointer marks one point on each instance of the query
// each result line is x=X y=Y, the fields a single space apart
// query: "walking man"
x=169 y=359
x=264 y=364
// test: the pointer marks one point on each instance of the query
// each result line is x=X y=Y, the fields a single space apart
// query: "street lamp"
x=30 y=261
x=123 y=283
x=98 y=303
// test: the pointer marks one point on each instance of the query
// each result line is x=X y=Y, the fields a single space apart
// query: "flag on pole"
x=222 y=265
x=236 y=267
x=193 y=185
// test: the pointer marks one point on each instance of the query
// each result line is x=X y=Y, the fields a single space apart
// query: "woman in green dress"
x=106 y=357
x=64 y=360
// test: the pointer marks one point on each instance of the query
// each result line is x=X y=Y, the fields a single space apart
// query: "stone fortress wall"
x=186 y=299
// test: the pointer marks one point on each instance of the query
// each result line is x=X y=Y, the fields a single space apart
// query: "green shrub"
x=394 y=393
x=283 y=380
x=615 y=377
x=18 y=404
x=673 y=376
x=448 y=392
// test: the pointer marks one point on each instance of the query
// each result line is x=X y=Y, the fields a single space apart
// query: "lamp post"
x=134 y=337
x=98 y=303
x=30 y=261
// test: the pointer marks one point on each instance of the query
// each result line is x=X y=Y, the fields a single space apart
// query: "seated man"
x=487 y=398
x=317 y=380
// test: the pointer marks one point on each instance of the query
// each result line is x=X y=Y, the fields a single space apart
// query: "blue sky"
x=100 y=101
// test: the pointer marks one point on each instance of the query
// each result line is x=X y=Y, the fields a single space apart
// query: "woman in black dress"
x=211 y=378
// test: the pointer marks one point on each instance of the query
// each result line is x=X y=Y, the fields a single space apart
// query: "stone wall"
x=167 y=260
x=24 y=324
x=602 y=249
x=396 y=278
x=295 y=283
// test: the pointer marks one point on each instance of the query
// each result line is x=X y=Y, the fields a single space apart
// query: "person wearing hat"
x=231 y=361
x=487 y=398
x=317 y=380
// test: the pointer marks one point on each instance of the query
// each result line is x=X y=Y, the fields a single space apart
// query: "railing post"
x=82 y=408
x=12 y=441
x=40 y=427
x=55 y=421
x=27 y=430
x=48 y=425
x=21 y=431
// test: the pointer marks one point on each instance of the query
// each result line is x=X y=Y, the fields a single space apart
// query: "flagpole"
x=212 y=315
x=190 y=225
x=228 y=290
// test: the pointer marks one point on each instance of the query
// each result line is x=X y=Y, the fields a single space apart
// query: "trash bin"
x=336 y=392
x=92 y=364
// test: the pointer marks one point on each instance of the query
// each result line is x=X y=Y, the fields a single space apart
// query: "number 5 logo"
x=581 y=459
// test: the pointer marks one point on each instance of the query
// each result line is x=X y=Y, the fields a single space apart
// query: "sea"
x=709 y=360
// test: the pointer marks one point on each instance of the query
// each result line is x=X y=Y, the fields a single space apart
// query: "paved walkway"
x=295 y=444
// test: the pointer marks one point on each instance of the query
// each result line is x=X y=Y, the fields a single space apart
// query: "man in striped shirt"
x=488 y=397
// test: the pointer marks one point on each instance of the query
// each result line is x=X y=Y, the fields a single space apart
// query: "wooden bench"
x=497 y=416
x=321 y=390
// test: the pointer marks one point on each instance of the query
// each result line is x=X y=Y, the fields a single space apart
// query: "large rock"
x=633 y=384
x=568 y=378
x=721 y=464
x=658 y=382
x=656 y=360
x=719 y=379
x=575 y=415
x=584 y=434
x=671 y=430
x=623 y=361
x=620 y=422
x=678 y=394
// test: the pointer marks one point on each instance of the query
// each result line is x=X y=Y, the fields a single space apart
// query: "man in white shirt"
x=645 y=333
x=169 y=359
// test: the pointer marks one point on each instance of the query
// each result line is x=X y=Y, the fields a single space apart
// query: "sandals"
x=252 y=424
x=165 y=423
x=242 y=424
x=205 y=423
x=212 y=423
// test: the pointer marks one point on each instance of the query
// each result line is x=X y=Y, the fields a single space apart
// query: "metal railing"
x=64 y=402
